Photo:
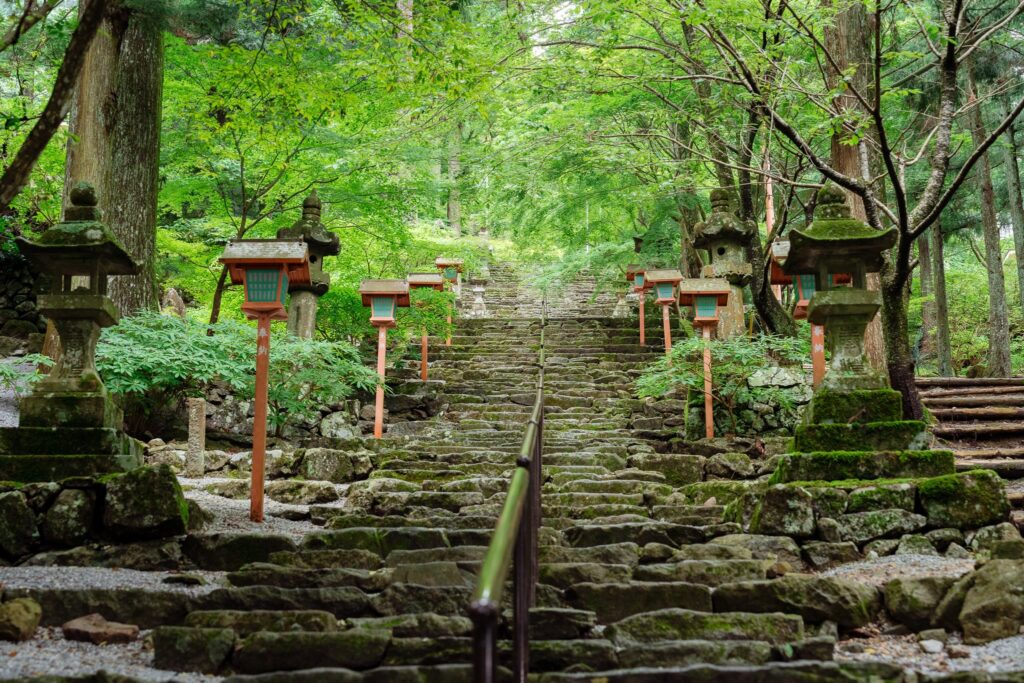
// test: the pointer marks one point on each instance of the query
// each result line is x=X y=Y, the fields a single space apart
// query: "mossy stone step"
x=612 y=602
x=843 y=465
x=269 y=651
x=684 y=624
x=897 y=435
x=245 y=622
x=266 y=574
x=705 y=572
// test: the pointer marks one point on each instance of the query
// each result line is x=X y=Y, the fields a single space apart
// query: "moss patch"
x=899 y=435
x=868 y=405
x=967 y=500
x=856 y=466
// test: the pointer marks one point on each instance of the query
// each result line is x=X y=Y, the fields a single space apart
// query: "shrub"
x=18 y=374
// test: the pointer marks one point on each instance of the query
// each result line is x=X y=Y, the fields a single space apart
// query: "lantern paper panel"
x=706 y=307
x=265 y=285
x=383 y=307
x=638 y=281
x=665 y=291
x=806 y=287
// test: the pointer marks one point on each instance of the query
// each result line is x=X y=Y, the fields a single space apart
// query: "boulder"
x=144 y=503
x=338 y=426
x=994 y=605
x=69 y=520
x=860 y=527
x=18 y=531
x=815 y=598
x=93 y=628
x=967 y=501
x=821 y=554
x=334 y=465
x=784 y=511
x=182 y=648
x=19 y=619
x=729 y=466
x=912 y=600
x=764 y=547
x=301 y=492
x=987 y=537
x=915 y=544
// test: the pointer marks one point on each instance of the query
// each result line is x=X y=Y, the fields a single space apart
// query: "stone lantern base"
x=845 y=313
x=69 y=426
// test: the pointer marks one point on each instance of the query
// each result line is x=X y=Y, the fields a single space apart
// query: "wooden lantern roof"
x=424 y=280
x=663 y=275
x=242 y=254
x=632 y=270
x=396 y=288
x=780 y=250
x=443 y=263
x=691 y=288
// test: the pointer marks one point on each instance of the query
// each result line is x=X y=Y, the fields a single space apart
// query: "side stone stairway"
x=980 y=419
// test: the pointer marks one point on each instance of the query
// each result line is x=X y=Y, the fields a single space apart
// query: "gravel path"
x=999 y=655
x=49 y=654
x=881 y=570
x=99 y=577
x=8 y=408
x=233 y=515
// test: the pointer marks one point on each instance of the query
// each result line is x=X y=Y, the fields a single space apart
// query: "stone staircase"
x=980 y=419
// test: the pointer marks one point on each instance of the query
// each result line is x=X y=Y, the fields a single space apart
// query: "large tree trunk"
x=1015 y=200
x=116 y=144
x=943 y=351
x=998 y=361
x=688 y=215
x=927 y=294
x=454 y=171
x=849 y=42
x=897 y=351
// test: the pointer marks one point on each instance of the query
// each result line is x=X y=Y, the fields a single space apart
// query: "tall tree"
x=1014 y=198
x=998 y=361
x=943 y=349
x=116 y=140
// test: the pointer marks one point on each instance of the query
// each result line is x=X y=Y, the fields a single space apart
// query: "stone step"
x=979 y=431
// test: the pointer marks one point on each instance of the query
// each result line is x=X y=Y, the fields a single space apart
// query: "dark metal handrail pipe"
x=513 y=546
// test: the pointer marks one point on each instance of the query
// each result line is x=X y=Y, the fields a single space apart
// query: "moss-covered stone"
x=182 y=648
x=860 y=527
x=679 y=469
x=19 y=619
x=993 y=607
x=967 y=500
x=912 y=601
x=614 y=601
x=901 y=435
x=784 y=511
x=144 y=503
x=830 y=406
x=246 y=622
x=724 y=492
x=682 y=624
x=853 y=466
x=354 y=649
x=815 y=598
x=69 y=520
x=883 y=497
x=18 y=528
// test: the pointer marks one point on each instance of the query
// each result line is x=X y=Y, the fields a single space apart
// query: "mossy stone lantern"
x=708 y=296
x=663 y=282
x=68 y=424
x=383 y=297
x=837 y=243
x=637 y=277
x=265 y=269
x=321 y=243
x=433 y=281
x=726 y=238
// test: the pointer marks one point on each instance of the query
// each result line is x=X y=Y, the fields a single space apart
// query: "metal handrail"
x=513 y=544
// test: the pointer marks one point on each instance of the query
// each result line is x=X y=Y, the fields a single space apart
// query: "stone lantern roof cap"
x=311 y=230
x=836 y=238
x=81 y=243
x=723 y=224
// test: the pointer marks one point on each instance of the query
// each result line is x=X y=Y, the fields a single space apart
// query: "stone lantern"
x=837 y=243
x=321 y=243
x=726 y=238
x=853 y=409
x=68 y=425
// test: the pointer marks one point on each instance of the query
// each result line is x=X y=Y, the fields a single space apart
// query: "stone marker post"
x=195 y=456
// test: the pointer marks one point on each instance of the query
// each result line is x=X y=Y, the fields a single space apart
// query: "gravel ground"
x=8 y=408
x=98 y=577
x=49 y=654
x=233 y=515
x=999 y=655
x=881 y=570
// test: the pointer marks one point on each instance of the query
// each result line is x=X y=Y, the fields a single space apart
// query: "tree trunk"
x=998 y=361
x=218 y=295
x=943 y=351
x=688 y=216
x=927 y=294
x=850 y=44
x=116 y=144
x=454 y=170
x=1015 y=200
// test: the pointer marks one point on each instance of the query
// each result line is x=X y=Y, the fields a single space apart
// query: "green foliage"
x=19 y=373
x=156 y=361
x=733 y=361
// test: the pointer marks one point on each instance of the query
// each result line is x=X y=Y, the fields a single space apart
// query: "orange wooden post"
x=642 y=340
x=423 y=356
x=382 y=349
x=709 y=412
x=451 y=271
x=448 y=341
x=818 y=353
x=259 y=426
x=668 y=329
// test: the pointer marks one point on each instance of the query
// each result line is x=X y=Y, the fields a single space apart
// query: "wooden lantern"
x=451 y=271
x=433 y=281
x=706 y=296
x=637 y=277
x=383 y=297
x=664 y=282
x=264 y=268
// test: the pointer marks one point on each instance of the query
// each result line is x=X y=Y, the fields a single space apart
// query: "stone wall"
x=19 y=285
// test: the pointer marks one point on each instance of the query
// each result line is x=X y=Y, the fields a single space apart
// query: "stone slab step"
x=978 y=413
x=979 y=430
x=1008 y=469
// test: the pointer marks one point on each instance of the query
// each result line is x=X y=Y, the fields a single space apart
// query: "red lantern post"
x=637 y=276
x=265 y=268
x=425 y=281
x=706 y=296
x=382 y=296
x=451 y=271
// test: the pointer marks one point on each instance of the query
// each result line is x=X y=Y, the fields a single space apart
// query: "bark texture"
x=116 y=123
x=1015 y=200
x=927 y=348
x=454 y=171
x=943 y=351
x=998 y=359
